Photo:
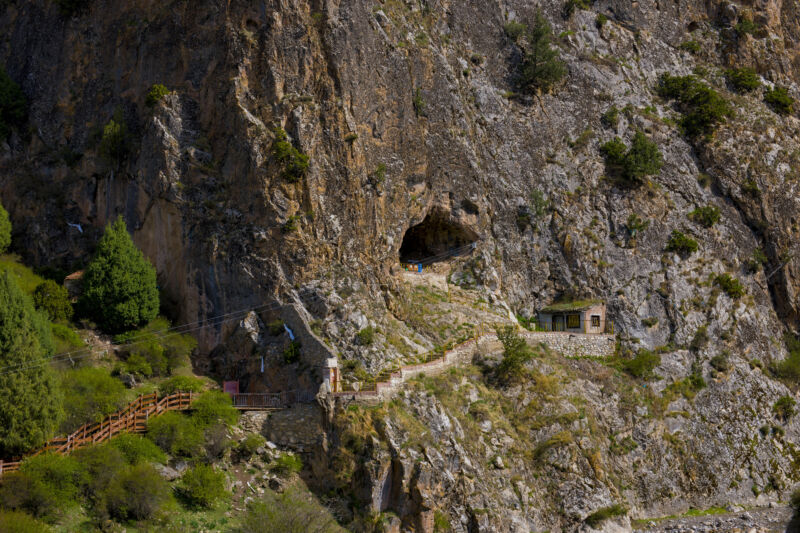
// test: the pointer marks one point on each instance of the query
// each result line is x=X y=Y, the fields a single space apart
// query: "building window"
x=595 y=321
x=573 y=321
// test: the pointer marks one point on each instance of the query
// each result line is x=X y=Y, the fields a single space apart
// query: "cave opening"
x=435 y=239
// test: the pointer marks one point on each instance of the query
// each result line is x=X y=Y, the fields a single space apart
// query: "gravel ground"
x=764 y=520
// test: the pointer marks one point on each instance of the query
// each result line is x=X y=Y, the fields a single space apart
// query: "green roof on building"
x=576 y=305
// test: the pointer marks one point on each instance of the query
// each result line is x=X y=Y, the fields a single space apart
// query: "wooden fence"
x=132 y=419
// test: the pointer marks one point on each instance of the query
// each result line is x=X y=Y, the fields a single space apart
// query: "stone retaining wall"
x=574 y=344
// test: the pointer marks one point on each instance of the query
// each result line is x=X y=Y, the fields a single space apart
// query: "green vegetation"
x=720 y=362
x=287 y=464
x=745 y=26
x=147 y=351
x=292 y=511
x=514 y=30
x=600 y=20
x=641 y=160
x=700 y=339
x=516 y=353
x=750 y=188
x=570 y=6
x=642 y=365
x=53 y=299
x=5 y=230
x=89 y=395
x=757 y=261
x=293 y=161
x=366 y=336
x=115 y=140
x=250 y=444
x=181 y=383
x=291 y=354
x=137 y=493
x=789 y=368
x=705 y=216
x=19 y=522
x=779 y=100
x=703 y=107
x=176 y=434
x=30 y=400
x=155 y=94
x=13 y=108
x=203 y=487
x=541 y=67
x=784 y=408
x=610 y=118
x=119 y=285
x=137 y=449
x=743 y=79
x=681 y=244
x=691 y=46
x=419 y=103
x=730 y=285
x=636 y=224
x=601 y=515
x=214 y=407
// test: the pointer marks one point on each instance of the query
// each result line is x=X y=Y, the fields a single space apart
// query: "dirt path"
x=761 y=520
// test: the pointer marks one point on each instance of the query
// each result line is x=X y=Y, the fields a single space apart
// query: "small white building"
x=580 y=316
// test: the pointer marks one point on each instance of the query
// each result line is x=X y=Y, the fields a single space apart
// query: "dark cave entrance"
x=437 y=238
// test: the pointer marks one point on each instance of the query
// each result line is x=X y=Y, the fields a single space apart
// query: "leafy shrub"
x=292 y=352
x=250 y=444
x=292 y=511
x=743 y=79
x=62 y=475
x=150 y=352
x=202 y=487
x=700 y=339
x=180 y=384
x=730 y=285
x=156 y=93
x=287 y=464
x=102 y=464
x=212 y=407
x=746 y=26
x=19 y=522
x=789 y=368
x=176 y=434
x=635 y=224
x=5 y=229
x=19 y=491
x=779 y=100
x=516 y=353
x=366 y=336
x=757 y=260
x=115 y=140
x=702 y=106
x=541 y=67
x=784 y=408
x=641 y=160
x=571 y=5
x=137 y=493
x=90 y=394
x=705 y=216
x=601 y=515
x=750 y=188
x=119 y=286
x=610 y=118
x=680 y=243
x=691 y=46
x=419 y=103
x=66 y=339
x=643 y=364
x=514 y=30
x=294 y=162
x=136 y=449
x=600 y=20
x=720 y=363
x=13 y=107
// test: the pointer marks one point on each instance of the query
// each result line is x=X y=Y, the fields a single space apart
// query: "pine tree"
x=30 y=400
x=541 y=68
x=119 y=286
x=5 y=230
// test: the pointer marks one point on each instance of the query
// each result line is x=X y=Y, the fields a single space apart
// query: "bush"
x=419 y=103
x=119 y=286
x=700 y=339
x=102 y=464
x=720 y=363
x=180 y=384
x=703 y=107
x=137 y=493
x=601 y=515
x=691 y=46
x=250 y=444
x=571 y=5
x=643 y=364
x=541 y=67
x=176 y=434
x=750 y=188
x=757 y=260
x=516 y=353
x=681 y=244
x=292 y=352
x=19 y=522
x=743 y=79
x=66 y=339
x=213 y=407
x=287 y=464
x=115 y=140
x=745 y=26
x=202 y=487
x=13 y=106
x=705 y=216
x=643 y=159
x=515 y=30
x=784 y=408
x=155 y=94
x=5 y=229
x=30 y=399
x=635 y=224
x=294 y=162
x=779 y=100
x=19 y=491
x=730 y=285
x=293 y=511
x=89 y=395
x=366 y=336
x=161 y=353
x=136 y=449
x=610 y=118
x=62 y=476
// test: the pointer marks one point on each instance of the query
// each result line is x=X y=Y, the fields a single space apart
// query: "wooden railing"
x=132 y=419
x=270 y=400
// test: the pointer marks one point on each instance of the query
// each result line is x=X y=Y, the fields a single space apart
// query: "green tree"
x=89 y=395
x=137 y=493
x=541 y=67
x=779 y=100
x=53 y=298
x=156 y=93
x=212 y=407
x=30 y=400
x=641 y=160
x=203 y=486
x=120 y=289
x=5 y=230
x=115 y=141
x=516 y=353
x=13 y=106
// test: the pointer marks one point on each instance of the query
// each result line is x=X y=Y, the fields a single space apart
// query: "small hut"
x=581 y=316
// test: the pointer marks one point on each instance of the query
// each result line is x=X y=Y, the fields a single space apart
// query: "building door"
x=558 y=323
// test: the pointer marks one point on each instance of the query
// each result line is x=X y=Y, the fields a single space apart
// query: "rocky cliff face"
x=407 y=112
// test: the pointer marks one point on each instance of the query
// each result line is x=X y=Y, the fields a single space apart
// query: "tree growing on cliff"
x=516 y=353
x=541 y=67
x=30 y=400
x=119 y=286
x=5 y=230
x=53 y=298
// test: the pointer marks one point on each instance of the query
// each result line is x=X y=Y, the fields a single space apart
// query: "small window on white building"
x=573 y=321
x=595 y=321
